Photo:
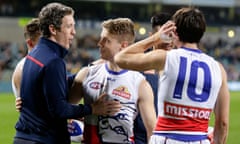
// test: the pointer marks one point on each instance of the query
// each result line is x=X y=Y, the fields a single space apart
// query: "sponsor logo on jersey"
x=122 y=91
x=96 y=85
x=183 y=111
x=111 y=79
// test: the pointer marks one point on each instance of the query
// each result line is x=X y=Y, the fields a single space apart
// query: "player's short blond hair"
x=122 y=28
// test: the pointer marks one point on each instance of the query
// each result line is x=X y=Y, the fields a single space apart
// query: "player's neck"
x=190 y=45
x=113 y=66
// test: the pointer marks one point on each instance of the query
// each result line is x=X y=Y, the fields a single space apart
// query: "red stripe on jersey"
x=173 y=124
x=35 y=61
x=90 y=134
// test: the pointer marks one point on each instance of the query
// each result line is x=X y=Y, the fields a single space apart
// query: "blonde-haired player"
x=128 y=87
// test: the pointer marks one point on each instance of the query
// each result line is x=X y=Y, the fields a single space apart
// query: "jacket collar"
x=60 y=50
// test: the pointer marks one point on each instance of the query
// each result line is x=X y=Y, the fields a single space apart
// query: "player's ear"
x=124 y=44
x=29 y=43
x=52 y=29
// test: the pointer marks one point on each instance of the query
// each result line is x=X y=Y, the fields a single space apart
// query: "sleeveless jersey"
x=14 y=89
x=19 y=66
x=188 y=90
x=122 y=86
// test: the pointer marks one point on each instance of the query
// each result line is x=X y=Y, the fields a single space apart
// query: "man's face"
x=66 y=34
x=108 y=45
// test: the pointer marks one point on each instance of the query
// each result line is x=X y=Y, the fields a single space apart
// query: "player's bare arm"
x=146 y=107
x=222 y=111
x=134 y=58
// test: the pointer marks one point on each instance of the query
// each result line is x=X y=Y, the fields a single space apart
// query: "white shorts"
x=157 y=139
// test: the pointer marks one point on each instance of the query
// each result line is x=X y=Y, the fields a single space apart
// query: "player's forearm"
x=132 y=57
x=138 y=47
x=220 y=133
x=149 y=136
x=150 y=127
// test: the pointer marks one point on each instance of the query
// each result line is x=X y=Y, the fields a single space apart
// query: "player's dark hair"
x=160 y=18
x=190 y=23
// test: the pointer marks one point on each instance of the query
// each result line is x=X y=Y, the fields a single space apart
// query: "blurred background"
x=222 y=39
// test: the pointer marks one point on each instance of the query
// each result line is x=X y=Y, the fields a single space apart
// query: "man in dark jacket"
x=44 y=86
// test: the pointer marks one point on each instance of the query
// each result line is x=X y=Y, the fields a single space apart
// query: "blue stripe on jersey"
x=193 y=50
x=182 y=137
x=114 y=72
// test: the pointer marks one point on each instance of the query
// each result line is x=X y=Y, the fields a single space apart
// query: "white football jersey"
x=14 y=89
x=188 y=90
x=122 y=86
x=19 y=66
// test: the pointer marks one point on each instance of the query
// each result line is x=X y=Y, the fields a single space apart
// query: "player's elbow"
x=224 y=126
x=221 y=132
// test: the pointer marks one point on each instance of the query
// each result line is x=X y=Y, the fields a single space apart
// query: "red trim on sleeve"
x=35 y=61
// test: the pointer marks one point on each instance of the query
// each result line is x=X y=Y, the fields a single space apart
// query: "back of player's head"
x=52 y=14
x=122 y=28
x=158 y=19
x=190 y=23
x=32 y=30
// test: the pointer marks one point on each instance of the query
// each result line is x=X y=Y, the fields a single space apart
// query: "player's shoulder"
x=20 y=63
x=81 y=74
x=135 y=76
x=18 y=69
x=95 y=68
x=87 y=71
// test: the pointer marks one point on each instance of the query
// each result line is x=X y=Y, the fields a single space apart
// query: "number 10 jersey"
x=188 y=89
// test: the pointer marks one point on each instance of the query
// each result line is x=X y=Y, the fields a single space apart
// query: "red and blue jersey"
x=188 y=89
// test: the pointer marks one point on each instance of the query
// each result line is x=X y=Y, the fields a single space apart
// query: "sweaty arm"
x=134 y=58
x=222 y=112
x=146 y=107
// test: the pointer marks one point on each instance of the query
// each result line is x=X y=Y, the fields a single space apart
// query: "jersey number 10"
x=192 y=83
